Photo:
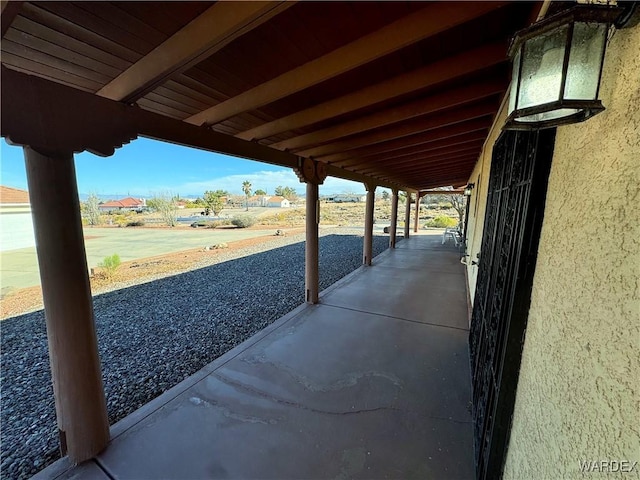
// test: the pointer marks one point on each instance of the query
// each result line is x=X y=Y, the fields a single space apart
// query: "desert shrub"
x=288 y=216
x=136 y=223
x=218 y=223
x=243 y=221
x=220 y=245
x=110 y=264
x=442 y=221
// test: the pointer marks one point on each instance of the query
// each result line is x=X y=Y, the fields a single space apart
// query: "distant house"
x=125 y=204
x=258 y=200
x=279 y=202
x=346 y=198
x=16 y=227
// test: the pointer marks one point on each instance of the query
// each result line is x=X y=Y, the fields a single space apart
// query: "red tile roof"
x=13 y=195
x=128 y=202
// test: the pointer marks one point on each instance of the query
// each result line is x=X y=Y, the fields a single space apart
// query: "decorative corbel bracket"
x=370 y=186
x=311 y=171
x=51 y=118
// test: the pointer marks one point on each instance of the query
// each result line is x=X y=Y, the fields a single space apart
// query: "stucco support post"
x=311 y=244
x=407 y=216
x=73 y=348
x=368 y=224
x=416 y=220
x=394 y=218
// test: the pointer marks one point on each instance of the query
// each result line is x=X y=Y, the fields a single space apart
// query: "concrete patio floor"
x=372 y=383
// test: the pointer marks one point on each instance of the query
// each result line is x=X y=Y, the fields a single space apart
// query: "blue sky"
x=146 y=167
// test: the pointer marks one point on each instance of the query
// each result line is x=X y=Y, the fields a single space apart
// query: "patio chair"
x=453 y=233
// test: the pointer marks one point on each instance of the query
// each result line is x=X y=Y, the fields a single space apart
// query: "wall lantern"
x=468 y=188
x=557 y=65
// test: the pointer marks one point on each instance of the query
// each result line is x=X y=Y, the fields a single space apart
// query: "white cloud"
x=265 y=180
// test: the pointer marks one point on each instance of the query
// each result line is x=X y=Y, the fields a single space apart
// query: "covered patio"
x=361 y=385
x=371 y=379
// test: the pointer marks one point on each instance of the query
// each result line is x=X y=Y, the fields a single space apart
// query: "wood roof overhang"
x=401 y=94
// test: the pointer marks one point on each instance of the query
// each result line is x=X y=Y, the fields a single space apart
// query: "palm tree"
x=246 y=188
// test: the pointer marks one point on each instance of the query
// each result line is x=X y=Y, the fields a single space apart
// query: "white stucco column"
x=368 y=225
x=311 y=244
x=407 y=216
x=73 y=347
x=394 y=219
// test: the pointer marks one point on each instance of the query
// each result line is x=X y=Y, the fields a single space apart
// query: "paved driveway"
x=19 y=268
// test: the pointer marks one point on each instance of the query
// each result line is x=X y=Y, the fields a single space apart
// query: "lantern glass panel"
x=542 y=59
x=584 y=61
x=514 y=81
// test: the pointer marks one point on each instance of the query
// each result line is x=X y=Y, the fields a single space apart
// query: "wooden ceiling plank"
x=404 y=129
x=100 y=125
x=161 y=108
x=112 y=13
x=15 y=63
x=37 y=44
x=421 y=158
x=415 y=150
x=187 y=99
x=431 y=20
x=422 y=78
x=420 y=164
x=9 y=46
x=444 y=166
x=56 y=39
x=40 y=70
x=478 y=125
x=424 y=106
x=219 y=25
x=66 y=27
x=73 y=12
x=171 y=102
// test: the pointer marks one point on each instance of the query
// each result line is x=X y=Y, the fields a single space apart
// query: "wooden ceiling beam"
x=426 y=148
x=435 y=73
x=8 y=12
x=100 y=125
x=429 y=21
x=433 y=103
x=208 y=33
x=411 y=127
x=465 y=128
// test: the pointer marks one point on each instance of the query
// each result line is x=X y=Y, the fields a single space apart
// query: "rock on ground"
x=153 y=335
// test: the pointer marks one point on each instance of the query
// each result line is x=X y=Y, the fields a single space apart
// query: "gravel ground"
x=153 y=335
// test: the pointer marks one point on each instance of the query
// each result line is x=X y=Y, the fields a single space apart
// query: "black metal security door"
x=515 y=205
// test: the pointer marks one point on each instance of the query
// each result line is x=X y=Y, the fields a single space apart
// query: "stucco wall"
x=578 y=396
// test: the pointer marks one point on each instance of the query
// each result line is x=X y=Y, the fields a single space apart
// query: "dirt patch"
x=26 y=300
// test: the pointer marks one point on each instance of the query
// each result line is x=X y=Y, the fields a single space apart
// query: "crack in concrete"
x=293 y=404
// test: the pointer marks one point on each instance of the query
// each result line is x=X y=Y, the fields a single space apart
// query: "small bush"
x=136 y=223
x=243 y=221
x=220 y=245
x=442 y=221
x=110 y=265
x=219 y=223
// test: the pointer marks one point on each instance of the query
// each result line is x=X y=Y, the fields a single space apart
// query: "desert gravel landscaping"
x=153 y=335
